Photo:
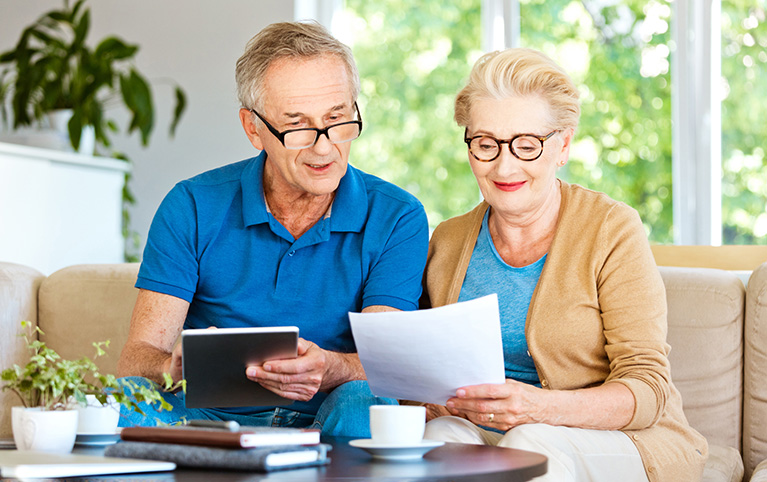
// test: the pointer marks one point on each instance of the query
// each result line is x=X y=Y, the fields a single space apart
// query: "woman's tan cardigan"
x=597 y=315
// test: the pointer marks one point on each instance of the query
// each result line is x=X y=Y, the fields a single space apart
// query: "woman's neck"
x=522 y=241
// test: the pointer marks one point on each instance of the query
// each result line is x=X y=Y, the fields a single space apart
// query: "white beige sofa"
x=717 y=331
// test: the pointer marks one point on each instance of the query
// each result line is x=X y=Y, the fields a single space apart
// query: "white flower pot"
x=52 y=134
x=59 y=124
x=44 y=430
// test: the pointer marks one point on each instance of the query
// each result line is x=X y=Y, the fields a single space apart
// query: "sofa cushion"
x=755 y=381
x=83 y=304
x=705 y=331
x=18 y=301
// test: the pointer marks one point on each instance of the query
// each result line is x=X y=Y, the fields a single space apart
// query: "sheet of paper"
x=426 y=355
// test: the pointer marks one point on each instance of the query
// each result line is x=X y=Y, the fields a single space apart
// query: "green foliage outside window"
x=618 y=56
x=415 y=56
x=744 y=122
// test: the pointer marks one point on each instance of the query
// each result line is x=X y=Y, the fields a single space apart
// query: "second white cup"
x=397 y=424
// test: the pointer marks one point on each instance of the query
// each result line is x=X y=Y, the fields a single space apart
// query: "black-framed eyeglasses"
x=525 y=147
x=307 y=136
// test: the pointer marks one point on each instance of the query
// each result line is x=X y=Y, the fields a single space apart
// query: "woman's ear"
x=249 y=125
x=564 y=153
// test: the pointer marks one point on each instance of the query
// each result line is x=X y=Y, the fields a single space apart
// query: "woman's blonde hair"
x=281 y=40
x=520 y=72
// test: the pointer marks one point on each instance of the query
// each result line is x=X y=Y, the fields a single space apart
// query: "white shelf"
x=50 y=155
x=59 y=208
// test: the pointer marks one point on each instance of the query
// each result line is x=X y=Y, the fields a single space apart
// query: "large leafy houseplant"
x=52 y=67
x=51 y=383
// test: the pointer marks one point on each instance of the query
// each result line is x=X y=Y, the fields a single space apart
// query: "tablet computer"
x=214 y=362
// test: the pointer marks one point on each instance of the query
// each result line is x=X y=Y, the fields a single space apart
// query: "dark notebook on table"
x=263 y=459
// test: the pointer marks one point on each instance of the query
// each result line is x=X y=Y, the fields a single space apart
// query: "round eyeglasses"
x=525 y=147
x=306 y=137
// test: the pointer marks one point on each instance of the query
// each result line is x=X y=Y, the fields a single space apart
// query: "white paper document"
x=427 y=355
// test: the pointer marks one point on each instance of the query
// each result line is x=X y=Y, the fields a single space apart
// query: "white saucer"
x=96 y=439
x=396 y=452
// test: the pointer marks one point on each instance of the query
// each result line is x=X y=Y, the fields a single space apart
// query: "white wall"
x=194 y=42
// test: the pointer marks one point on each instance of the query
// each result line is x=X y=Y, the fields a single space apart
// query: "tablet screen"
x=214 y=362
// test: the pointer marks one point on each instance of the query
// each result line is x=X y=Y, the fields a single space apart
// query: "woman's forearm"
x=607 y=407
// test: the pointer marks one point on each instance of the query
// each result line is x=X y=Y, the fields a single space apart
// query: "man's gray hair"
x=287 y=40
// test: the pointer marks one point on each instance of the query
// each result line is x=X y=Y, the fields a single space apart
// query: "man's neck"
x=296 y=211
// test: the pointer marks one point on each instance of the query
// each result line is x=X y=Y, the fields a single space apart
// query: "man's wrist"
x=341 y=368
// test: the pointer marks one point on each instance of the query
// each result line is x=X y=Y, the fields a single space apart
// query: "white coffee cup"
x=401 y=425
x=96 y=418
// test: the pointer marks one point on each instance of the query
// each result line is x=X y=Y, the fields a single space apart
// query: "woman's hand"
x=434 y=411
x=499 y=406
x=606 y=407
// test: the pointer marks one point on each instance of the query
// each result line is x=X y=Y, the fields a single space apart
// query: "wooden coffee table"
x=448 y=462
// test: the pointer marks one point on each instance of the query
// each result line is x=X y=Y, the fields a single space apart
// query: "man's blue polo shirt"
x=213 y=243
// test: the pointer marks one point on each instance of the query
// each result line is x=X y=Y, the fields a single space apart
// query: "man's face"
x=300 y=93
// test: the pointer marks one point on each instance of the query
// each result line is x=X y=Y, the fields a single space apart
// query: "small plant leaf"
x=178 y=111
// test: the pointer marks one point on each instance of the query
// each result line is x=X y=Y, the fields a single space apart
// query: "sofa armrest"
x=18 y=301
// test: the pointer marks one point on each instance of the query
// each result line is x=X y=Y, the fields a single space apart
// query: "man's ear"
x=248 y=124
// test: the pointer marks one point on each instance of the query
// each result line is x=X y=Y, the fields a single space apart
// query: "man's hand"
x=298 y=378
x=313 y=370
x=174 y=364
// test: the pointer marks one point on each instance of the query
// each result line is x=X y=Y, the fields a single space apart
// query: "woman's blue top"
x=488 y=274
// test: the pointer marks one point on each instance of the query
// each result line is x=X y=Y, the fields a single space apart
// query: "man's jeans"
x=345 y=412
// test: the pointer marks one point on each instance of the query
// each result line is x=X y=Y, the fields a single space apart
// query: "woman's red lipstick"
x=509 y=186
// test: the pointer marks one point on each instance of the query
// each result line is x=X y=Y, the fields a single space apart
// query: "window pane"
x=412 y=58
x=744 y=128
x=618 y=55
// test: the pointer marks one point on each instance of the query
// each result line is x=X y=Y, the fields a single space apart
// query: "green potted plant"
x=52 y=68
x=50 y=388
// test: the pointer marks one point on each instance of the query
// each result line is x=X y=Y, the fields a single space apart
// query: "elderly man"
x=294 y=236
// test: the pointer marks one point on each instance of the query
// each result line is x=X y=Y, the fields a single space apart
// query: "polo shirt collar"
x=350 y=206
x=348 y=211
x=252 y=182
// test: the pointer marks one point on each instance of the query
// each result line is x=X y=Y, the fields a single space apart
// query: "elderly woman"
x=583 y=308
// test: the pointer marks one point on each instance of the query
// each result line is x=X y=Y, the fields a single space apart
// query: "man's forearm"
x=143 y=360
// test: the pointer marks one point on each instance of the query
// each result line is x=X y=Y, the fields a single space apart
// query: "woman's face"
x=511 y=186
